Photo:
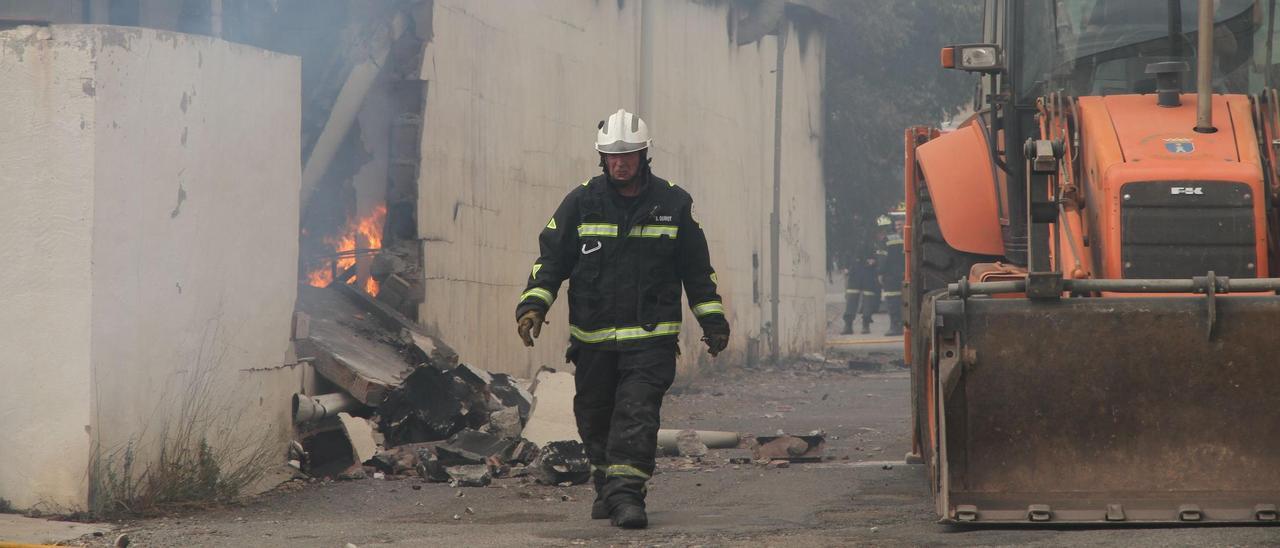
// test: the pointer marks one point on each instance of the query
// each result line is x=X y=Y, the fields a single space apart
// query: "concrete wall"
x=47 y=218
x=186 y=159
x=515 y=91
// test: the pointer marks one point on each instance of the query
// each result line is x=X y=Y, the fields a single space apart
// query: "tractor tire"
x=934 y=264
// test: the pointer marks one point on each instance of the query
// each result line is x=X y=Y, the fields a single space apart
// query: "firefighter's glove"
x=529 y=326
x=716 y=343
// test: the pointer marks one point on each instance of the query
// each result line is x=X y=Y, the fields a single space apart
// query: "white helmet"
x=623 y=132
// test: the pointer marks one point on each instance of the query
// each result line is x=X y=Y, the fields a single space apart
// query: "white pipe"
x=712 y=439
x=309 y=408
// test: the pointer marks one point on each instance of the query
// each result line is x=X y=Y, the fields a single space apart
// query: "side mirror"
x=986 y=58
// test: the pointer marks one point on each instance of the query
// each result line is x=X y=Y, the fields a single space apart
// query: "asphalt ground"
x=861 y=495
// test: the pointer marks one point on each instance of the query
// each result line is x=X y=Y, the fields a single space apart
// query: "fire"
x=361 y=234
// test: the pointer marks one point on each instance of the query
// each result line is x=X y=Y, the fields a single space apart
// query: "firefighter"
x=872 y=295
x=861 y=288
x=627 y=241
x=892 y=269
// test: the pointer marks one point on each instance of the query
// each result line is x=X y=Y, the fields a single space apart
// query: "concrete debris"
x=688 y=444
x=807 y=448
x=355 y=472
x=431 y=404
x=469 y=475
x=474 y=375
x=561 y=462
x=506 y=389
x=122 y=541
x=430 y=469
x=505 y=423
x=398 y=460
x=360 y=434
x=551 y=416
x=474 y=447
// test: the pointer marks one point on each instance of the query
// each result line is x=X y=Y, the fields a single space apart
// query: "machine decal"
x=1180 y=146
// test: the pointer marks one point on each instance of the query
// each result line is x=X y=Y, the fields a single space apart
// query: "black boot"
x=848 y=328
x=599 y=510
x=629 y=515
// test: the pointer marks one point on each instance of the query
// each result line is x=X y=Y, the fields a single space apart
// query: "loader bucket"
x=1148 y=409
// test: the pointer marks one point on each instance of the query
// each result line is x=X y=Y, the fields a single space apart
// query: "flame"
x=365 y=230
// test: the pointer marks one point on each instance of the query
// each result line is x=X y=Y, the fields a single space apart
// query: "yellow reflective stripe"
x=538 y=293
x=598 y=230
x=853 y=291
x=626 y=470
x=624 y=333
x=708 y=308
x=714 y=279
x=891 y=294
x=597 y=336
x=654 y=231
x=894 y=241
x=664 y=328
x=536 y=267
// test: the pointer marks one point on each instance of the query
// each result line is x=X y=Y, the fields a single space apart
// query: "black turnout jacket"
x=625 y=259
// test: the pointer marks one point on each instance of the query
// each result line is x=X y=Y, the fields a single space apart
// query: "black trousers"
x=618 y=407
x=870 y=304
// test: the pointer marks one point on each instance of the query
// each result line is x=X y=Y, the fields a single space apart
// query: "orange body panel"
x=961 y=179
x=1125 y=138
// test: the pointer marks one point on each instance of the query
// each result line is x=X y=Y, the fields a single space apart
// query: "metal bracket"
x=1044 y=285
x=1190 y=512
x=1115 y=512
x=1266 y=512
x=1039 y=512
x=1211 y=285
x=967 y=512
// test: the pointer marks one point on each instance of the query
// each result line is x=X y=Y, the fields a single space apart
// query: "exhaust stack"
x=1204 y=70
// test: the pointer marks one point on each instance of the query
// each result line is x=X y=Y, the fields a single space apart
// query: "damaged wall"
x=515 y=91
x=158 y=181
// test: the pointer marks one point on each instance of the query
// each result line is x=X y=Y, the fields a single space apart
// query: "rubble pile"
x=401 y=405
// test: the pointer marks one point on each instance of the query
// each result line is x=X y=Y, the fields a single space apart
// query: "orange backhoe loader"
x=1094 y=329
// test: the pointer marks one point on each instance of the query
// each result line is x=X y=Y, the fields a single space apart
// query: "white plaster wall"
x=46 y=215
x=713 y=110
x=515 y=92
x=195 y=237
x=151 y=192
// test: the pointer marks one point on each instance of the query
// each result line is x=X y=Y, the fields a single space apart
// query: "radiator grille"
x=1180 y=229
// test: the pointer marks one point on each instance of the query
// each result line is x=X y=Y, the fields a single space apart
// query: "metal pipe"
x=1192 y=285
x=775 y=219
x=1204 y=70
x=310 y=408
x=712 y=439
x=215 y=18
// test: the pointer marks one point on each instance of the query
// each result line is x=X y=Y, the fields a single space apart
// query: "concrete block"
x=551 y=418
